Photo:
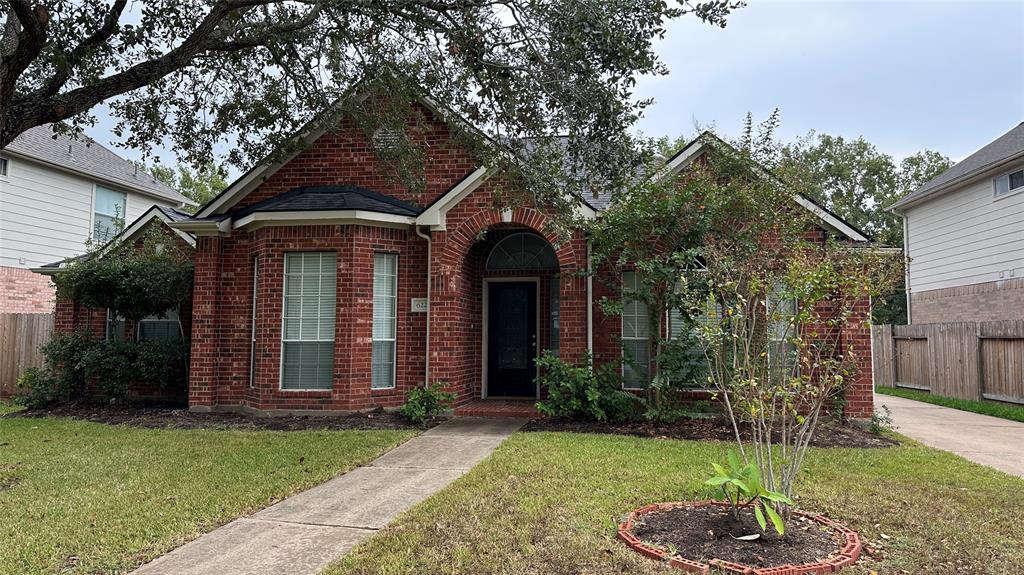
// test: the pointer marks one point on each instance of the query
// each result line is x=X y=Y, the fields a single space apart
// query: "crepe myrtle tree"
x=777 y=357
x=249 y=73
x=655 y=227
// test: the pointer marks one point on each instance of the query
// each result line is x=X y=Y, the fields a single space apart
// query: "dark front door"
x=511 y=338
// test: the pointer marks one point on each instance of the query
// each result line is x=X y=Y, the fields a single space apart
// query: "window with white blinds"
x=636 y=340
x=385 y=313
x=782 y=352
x=307 y=358
x=167 y=328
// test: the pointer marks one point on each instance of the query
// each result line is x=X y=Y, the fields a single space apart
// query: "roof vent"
x=385 y=137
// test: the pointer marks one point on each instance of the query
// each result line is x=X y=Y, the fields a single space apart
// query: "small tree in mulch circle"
x=786 y=294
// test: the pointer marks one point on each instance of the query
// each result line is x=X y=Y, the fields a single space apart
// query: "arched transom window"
x=522 y=251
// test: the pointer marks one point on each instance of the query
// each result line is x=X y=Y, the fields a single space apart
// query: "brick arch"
x=459 y=242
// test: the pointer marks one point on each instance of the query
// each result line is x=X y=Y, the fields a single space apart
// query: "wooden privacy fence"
x=21 y=334
x=967 y=360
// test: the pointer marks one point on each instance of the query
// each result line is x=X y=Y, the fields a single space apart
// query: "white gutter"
x=426 y=360
x=906 y=263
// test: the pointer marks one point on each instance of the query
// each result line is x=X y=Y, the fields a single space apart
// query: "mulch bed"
x=179 y=418
x=705 y=533
x=715 y=429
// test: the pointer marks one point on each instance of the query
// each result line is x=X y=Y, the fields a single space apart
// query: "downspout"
x=906 y=264
x=426 y=359
x=590 y=303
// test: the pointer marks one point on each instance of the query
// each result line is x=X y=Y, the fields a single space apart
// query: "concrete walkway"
x=304 y=533
x=982 y=439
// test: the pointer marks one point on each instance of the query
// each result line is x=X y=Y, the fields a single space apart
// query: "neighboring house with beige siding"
x=55 y=194
x=964 y=236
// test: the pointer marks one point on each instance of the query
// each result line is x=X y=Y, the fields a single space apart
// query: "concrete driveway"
x=982 y=439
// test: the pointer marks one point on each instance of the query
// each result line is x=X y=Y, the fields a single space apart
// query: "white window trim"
x=284 y=281
x=622 y=352
x=5 y=171
x=394 y=340
x=92 y=214
x=1010 y=191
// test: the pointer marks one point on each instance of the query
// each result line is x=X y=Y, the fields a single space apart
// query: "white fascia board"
x=688 y=156
x=435 y=216
x=585 y=211
x=321 y=217
x=137 y=226
x=129 y=234
x=204 y=227
x=829 y=219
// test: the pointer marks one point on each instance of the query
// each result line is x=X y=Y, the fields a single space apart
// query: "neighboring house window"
x=3 y=167
x=1009 y=183
x=252 y=328
x=307 y=358
x=385 y=303
x=782 y=353
x=636 y=344
x=167 y=328
x=108 y=217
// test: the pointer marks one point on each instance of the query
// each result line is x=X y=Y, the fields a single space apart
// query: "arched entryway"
x=545 y=294
x=519 y=310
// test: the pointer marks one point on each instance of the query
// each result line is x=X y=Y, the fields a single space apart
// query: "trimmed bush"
x=581 y=392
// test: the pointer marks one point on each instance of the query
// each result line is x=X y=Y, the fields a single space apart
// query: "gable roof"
x=1004 y=149
x=705 y=140
x=90 y=159
x=160 y=213
x=323 y=198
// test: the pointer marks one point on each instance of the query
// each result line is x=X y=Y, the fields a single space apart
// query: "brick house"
x=72 y=316
x=323 y=284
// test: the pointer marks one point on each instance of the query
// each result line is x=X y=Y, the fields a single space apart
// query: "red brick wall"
x=23 y=291
x=344 y=156
x=223 y=312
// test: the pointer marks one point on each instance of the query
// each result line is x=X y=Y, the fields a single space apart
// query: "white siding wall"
x=966 y=236
x=46 y=214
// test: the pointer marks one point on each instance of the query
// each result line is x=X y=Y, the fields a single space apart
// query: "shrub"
x=111 y=365
x=73 y=360
x=162 y=363
x=36 y=388
x=581 y=392
x=428 y=402
x=62 y=377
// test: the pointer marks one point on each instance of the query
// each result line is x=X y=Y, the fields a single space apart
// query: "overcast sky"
x=908 y=76
x=948 y=76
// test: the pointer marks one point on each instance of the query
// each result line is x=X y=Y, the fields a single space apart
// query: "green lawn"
x=79 y=497
x=986 y=407
x=548 y=503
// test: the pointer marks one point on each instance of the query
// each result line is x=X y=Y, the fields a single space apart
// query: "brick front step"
x=498 y=408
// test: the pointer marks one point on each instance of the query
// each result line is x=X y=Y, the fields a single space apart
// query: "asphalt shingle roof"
x=317 y=198
x=91 y=159
x=1006 y=146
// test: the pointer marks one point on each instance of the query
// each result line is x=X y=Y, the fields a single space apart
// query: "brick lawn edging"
x=848 y=555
